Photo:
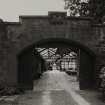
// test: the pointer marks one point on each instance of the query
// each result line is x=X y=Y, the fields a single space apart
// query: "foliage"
x=77 y=7
x=93 y=8
x=97 y=9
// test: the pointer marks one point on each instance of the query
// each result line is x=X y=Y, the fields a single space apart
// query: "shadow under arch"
x=87 y=58
x=54 y=42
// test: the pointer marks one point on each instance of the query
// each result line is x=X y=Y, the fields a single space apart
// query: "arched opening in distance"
x=62 y=54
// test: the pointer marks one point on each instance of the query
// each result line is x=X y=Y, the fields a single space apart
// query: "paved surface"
x=50 y=90
x=92 y=96
x=54 y=88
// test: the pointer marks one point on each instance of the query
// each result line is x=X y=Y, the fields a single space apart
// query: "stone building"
x=18 y=39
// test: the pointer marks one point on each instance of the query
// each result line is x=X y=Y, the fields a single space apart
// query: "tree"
x=93 y=8
x=77 y=7
x=97 y=9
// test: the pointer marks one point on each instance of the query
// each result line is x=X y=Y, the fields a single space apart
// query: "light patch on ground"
x=9 y=98
x=46 y=98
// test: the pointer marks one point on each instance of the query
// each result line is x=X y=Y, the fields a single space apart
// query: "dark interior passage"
x=30 y=67
x=86 y=72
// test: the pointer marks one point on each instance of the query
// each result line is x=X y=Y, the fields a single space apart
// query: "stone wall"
x=4 y=48
x=99 y=33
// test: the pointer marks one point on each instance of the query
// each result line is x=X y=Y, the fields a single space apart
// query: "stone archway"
x=32 y=29
x=87 y=61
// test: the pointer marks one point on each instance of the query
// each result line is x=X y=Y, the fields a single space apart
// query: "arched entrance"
x=29 y=62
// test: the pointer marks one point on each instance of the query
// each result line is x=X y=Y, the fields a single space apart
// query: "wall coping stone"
x=47 y=17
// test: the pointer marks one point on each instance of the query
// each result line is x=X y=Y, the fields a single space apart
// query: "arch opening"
x=32 y=63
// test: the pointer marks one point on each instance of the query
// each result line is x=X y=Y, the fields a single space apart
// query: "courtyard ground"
x=55 y=88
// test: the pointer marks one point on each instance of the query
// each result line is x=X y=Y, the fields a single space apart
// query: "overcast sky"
x=11 y=9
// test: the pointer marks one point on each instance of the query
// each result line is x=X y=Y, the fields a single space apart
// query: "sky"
x=10 y=10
